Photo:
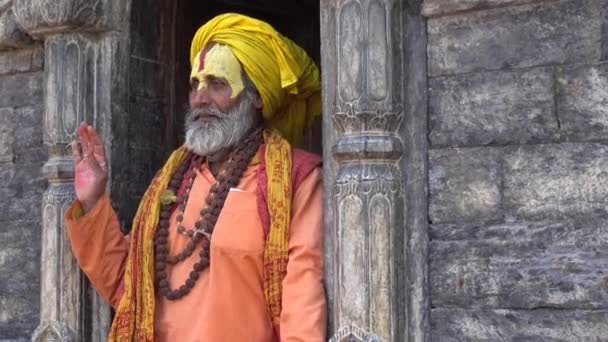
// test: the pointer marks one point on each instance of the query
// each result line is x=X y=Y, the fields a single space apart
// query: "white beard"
x=222 y=132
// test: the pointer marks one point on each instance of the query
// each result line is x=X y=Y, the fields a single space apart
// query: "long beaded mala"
x=203 y=228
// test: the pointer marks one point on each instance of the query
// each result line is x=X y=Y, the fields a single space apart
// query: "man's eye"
x=216 y=82
x=194 y=84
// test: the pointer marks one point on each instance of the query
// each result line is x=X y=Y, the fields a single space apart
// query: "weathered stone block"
x=582 y=102
x=24 y=189
x=492 y=108
x=7 y=135
x=516 y=37
x=464 y=185
x=605 y=31
x=434 y=8
x=19 y=257
x=457 y=325
x=557 y=181
x=29 y=147
x=16 y=61
x=21 y=90
x=521 y=265
x=28 y=132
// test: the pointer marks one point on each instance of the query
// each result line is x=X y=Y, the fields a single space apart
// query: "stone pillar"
x=82 y=60
x=374 y=74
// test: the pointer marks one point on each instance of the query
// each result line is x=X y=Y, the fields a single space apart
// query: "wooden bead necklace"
x=203 y=228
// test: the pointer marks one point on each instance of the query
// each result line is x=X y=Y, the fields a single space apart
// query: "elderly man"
x=227 y=242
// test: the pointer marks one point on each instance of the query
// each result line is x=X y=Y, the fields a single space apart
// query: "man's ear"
x=258 y=101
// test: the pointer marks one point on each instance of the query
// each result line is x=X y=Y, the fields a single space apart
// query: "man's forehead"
x=217 y=60
x=203 y=55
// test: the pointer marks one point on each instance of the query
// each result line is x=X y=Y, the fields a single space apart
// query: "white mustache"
x=195 y=113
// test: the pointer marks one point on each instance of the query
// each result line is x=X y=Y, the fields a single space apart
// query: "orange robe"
x=227 y=302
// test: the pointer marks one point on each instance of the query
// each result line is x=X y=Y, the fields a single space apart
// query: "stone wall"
x=518 y=169
x=21 y=187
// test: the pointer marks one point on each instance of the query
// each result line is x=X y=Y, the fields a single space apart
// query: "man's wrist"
x=88 y=205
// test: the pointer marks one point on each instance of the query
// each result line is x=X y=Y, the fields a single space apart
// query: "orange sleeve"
x=303 y=315
x=99 y=246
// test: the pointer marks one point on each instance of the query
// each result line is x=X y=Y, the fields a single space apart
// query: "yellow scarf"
x=134 y=320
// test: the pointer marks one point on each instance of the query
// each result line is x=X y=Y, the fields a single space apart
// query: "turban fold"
x=286 y=78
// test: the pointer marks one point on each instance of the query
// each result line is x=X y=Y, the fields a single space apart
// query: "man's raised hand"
x=90 y=167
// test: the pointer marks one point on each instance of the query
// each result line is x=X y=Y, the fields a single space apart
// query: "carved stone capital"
x=43 y=17
x=53 y=331
x=11 y=35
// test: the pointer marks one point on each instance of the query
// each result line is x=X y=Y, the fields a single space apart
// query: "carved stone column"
x=374 y=105
x=82 y=61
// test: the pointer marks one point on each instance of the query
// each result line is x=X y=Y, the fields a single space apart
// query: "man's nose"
x=199 y=97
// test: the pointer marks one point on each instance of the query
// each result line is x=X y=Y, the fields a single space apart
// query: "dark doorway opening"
x=296 y=19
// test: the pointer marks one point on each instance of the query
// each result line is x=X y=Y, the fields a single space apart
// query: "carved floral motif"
x=43 y=16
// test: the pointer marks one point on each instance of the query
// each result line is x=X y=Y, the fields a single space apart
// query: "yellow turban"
x=285 y=76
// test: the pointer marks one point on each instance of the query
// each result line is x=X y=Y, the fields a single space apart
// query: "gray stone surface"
x=493 y=108
x=21 y=90
x=21 y=188
x=582 y=102
x=23 y=60
x=521 y=265
x=604 y=41
x=7 y=135
x=19 y=300
x=28 y=135
x=564 y=31
x=459 y=325
x=433 y=8
x=464 y=184
x=556 y=181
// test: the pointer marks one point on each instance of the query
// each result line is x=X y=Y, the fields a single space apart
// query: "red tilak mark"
x=202 y=56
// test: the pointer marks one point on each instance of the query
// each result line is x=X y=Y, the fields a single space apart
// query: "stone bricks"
x=582 y=102
x=557 y=181
x=521 y=265
x=558 y=32
x=432 y=8
x=21 y=90
x=457 y=325
x=19 y=256
x=464 y=185
x=28 y=136
x=21 y=186
x=7 y=135
x=24 y=186
x=604 y=42
x=493 y=108
x=17 y=61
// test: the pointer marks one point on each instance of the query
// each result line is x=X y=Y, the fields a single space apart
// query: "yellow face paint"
x=219 y=62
